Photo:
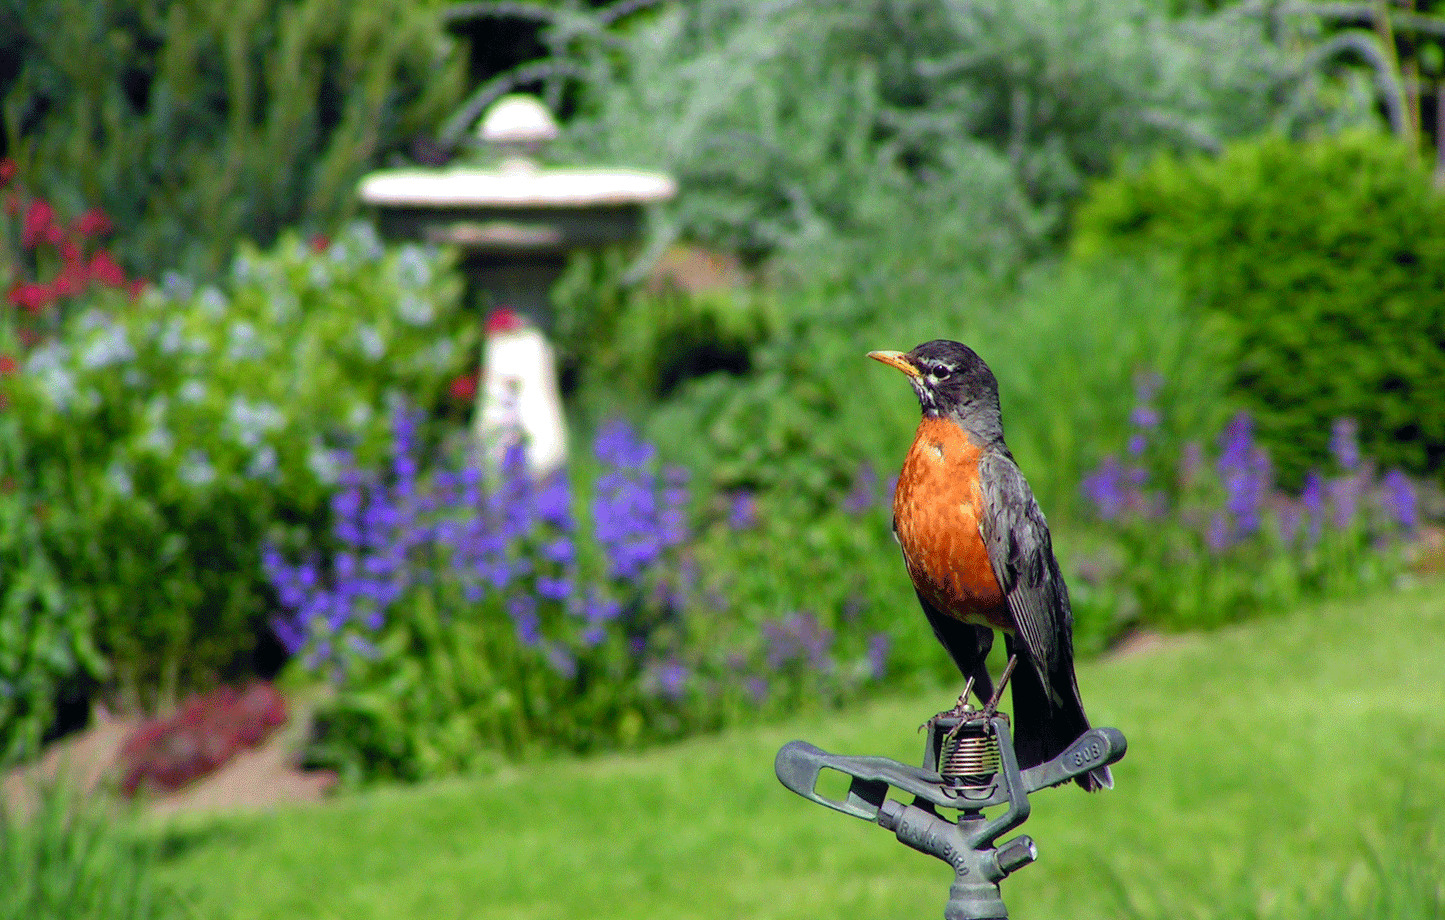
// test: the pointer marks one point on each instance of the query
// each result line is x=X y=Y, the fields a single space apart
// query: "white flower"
x=47 y=364
x=263 y=465
x=118 y=475
x=158 y=440
x=196 y=469
x=418 y=311
x=192 y=391
x=171 y=336
x=241 y=269
x=323 y=464
x=364 y=235
x=213 y=302
x=358 y=416
x=109 y=346
x=318 y=273
x=412 y=268
x=243 y=343
x=371 y=342
x=249 y=423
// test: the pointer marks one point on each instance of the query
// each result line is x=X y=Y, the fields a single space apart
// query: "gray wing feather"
x=1022 y=554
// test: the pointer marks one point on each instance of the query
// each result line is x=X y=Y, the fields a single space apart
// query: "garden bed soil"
x=259 y=778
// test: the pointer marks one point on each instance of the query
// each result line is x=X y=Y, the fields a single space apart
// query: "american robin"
x=979 y=553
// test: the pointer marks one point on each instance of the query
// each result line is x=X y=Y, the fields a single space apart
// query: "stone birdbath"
x=516 y=224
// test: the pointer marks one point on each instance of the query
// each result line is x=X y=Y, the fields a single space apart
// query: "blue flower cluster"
x=1119 y=490
x=506 y=537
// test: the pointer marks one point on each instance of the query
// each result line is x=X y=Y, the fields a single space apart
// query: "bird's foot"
x=991 y=707
x=960 y=709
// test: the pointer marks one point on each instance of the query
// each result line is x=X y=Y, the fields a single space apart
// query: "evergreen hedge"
x=1326 y=260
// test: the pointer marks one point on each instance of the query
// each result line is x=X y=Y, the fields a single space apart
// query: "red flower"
x=71 y=280
x=32 y=298
x=504 y=320
x=464 y=387
x=7 y=365
x=104 y=270
x=319 y=243
x=93 y=221
x=8 y=169
x=39 y=218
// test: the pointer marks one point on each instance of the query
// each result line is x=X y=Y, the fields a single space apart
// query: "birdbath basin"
x=516 y=224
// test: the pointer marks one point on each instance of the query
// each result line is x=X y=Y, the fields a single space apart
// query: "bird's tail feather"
x=1044 y=728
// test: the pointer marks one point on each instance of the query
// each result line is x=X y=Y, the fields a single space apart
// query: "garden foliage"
x=467 y=616
x=966 y=127
x=180 y=429
x=1201 y=539
x=195 y=124
x=1326 y=259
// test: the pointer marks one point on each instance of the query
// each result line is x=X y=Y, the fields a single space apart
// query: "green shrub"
x=624 y=341
x=181 y=429
x=45 y=631
x=1326 y=260
x=1065 y=344
x=968 y=125
x=195 y=124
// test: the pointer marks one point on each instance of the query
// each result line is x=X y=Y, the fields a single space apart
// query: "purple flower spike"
x=1400 y=500
x=865 y=490
x=1217 y=536
x=672 y=678
x=1137 y=444
x=1344 y=443
x=742 y=511
x=1313 y=500
x=1147 y=386
x=1145 y=417
x=878 y=646
x=554 y=589
x=1105 y=489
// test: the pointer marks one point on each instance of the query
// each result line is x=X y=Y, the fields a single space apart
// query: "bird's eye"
x=940 y=371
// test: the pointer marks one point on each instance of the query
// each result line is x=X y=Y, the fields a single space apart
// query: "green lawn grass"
x=1268 y=765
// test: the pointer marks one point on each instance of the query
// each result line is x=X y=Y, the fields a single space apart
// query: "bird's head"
x=951 y=381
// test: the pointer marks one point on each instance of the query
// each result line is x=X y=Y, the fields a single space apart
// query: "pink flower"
x=39 y=219
x=71 y=280
x=93 y=221
x=7 y=365
x=32 y=298
x=104 y=270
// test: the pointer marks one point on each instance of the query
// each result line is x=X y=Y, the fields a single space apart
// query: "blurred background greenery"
x=1198 y=242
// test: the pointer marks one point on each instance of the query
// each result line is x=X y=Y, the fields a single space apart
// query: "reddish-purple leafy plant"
x=165 y=754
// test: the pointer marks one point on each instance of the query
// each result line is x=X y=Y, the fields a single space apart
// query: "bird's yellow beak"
x=895 y=359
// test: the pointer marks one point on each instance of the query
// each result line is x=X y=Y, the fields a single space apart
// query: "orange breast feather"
x=936 y=511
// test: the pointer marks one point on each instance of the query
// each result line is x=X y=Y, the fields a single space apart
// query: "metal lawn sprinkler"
x=968 y=765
